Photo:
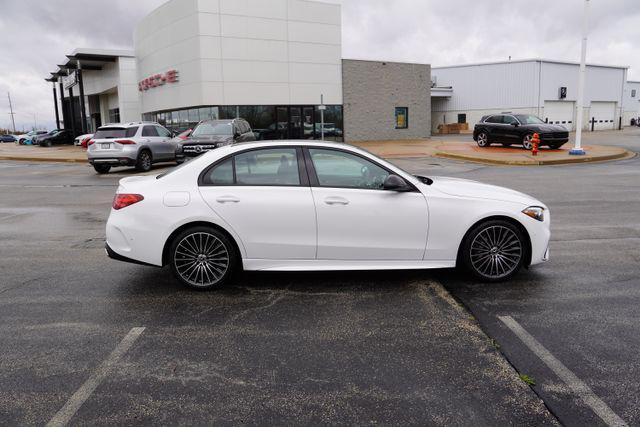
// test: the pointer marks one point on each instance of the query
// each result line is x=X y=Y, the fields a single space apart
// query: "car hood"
x=473 y=189
x=212 y=139
x=549 y=128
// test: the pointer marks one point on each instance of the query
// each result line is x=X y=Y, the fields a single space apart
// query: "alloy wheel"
x=201 y=259
x=526 y=142
x=496 y=252
x=483 y=139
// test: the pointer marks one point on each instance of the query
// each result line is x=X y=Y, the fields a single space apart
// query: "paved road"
x=355 y=348
x=311 y=348
x=583 y=305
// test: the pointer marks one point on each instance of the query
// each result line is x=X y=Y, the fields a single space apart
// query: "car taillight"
x=125 y=141
x=90 y=142
x=123 y=200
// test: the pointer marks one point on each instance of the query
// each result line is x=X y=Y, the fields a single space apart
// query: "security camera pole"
x=577 y=149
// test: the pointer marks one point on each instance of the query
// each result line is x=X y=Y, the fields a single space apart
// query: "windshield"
x=111 y=133
x=212 y=128
x=528 y=119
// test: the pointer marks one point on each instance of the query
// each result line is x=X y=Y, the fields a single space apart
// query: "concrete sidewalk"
x=31 y=153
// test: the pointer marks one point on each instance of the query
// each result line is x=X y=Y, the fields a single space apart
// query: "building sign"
x=562 y=93
x=402 y=117
x=70 y=81
x=170 y=76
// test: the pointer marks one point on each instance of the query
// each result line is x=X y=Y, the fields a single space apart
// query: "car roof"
x=127 y=125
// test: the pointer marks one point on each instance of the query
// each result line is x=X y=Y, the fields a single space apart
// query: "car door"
x=357 y=219
x=511 y=130
x=264 y=196
x=166 y=148
x=151 y=140
x=495 y=126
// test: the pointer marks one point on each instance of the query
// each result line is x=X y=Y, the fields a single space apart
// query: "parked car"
x=8 y=138
x=509 y=129
x=212 y=134
x=82 y=140
x=139 y=144
x=298 y=205
x=27 y=138
x=58 y=137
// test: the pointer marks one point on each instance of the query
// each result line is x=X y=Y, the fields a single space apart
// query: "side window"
x=163 y=132
x=222 y=174
x=345 y=170
x=510 y=120
x=131 y=132
x=494 y=119
x=274 y=166
x=149 y=131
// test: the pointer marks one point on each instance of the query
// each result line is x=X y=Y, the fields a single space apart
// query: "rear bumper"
x=121 y=161
x=116 y=256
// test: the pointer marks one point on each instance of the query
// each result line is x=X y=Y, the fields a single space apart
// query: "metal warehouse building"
x=548 y=89
x=631 y=102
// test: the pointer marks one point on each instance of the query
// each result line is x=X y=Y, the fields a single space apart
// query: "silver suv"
x=137 y=144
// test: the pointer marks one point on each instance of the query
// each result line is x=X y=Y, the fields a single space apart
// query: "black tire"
x=483 y=139
x=526 y=141
x=144 y=161
x=203 y=258
x=102 y=169
x=494 y=251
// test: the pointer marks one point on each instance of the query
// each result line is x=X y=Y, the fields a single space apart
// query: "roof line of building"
x=385 y=61
x=552 y=61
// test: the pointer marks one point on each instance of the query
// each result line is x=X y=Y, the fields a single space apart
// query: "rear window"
x=111 y=133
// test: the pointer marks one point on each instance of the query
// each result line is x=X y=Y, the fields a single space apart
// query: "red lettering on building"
x=156 y=80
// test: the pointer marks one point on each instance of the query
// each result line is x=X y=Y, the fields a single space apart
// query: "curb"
x=42 y=159
x=623 y=155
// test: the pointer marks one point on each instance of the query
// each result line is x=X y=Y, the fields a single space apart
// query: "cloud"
x=36 y=34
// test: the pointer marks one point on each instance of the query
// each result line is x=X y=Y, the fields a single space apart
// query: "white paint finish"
x=577 y=386
x=277 y=223
x=370 y=224
x=74 y=403
x=631 y=104
x=333 y=265
x=259 y=44
x=560 y=113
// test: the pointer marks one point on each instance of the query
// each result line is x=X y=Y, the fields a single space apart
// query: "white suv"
x=137 y=144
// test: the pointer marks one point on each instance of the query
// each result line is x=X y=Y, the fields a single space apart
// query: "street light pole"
x=577 y=149
x=12 y=114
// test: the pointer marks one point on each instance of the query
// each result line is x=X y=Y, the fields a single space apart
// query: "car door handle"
x=227 y=199
x=336 y=201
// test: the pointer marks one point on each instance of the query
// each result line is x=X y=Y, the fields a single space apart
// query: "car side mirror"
x=515 y=124
x=395 y=183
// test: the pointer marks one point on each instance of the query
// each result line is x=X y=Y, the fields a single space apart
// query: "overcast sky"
x=36 y=34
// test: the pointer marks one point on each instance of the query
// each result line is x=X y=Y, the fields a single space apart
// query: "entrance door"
x=282 y=123
x=295 y=123
x=307 y=122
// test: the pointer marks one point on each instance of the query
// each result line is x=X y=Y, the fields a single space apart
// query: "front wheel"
x=102 y=169
x=483 y=139
x=526 y=142
x=494 y=251
x=203 y=258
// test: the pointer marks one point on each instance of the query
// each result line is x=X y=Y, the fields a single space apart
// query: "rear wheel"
x=483 y=139
x=526 y=142
x=143 y=164
x=203 y=258
x=494 y=251
x=102 y=169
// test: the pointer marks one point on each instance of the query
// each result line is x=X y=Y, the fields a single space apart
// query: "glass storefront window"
x=333 y=123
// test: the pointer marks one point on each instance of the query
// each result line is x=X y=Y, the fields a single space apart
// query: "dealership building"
x=276 y=63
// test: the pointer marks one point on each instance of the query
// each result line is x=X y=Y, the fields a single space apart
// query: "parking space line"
x=579 y=387
x=74 y=403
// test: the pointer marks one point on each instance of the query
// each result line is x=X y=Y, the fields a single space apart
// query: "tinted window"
x=274 y=166
x=494 y=119
x=110 y=133
x=340 y=169
x=162 y=132
x=212 y=128
x=149 y=131
x=510 y=120
x=528 y=119
x=222 y=174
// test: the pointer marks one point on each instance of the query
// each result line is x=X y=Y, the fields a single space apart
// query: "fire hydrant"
x=535 y=142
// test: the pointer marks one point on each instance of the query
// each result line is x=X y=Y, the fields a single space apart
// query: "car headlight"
x=535 y=212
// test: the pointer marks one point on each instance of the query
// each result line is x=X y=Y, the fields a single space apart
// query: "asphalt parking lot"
x=333 y=348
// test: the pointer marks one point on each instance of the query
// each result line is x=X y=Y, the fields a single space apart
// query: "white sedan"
x=311 y=206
